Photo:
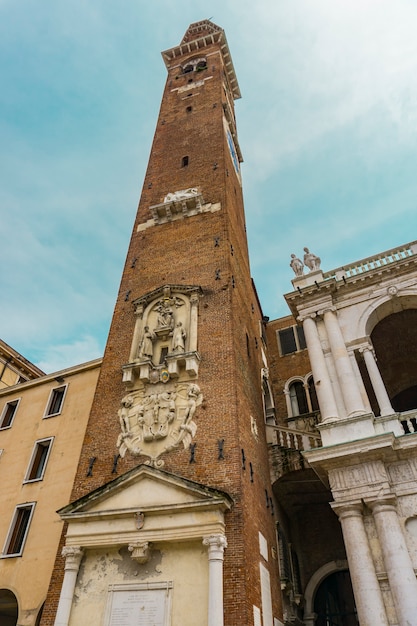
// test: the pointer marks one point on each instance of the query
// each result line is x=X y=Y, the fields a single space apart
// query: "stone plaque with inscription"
x=138 y=606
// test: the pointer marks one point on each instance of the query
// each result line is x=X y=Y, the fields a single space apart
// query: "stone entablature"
x=176 y=209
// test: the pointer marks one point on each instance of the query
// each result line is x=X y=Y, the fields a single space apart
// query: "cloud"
x=57 y=357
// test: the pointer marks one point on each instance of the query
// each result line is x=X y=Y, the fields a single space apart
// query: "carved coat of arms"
x=159 y=421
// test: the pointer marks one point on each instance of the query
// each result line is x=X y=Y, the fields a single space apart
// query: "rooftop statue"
x=297 y=265
x=311 y=260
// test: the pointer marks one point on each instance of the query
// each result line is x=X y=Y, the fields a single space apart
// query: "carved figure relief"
x=154 y=423
x=157 y=414
x=181 y=194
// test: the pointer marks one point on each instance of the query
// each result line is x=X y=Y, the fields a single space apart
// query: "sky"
x=327 y=126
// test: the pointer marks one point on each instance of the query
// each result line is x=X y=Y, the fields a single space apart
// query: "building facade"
x=42 y=425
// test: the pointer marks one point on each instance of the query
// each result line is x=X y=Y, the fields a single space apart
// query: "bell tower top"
x=198 y=36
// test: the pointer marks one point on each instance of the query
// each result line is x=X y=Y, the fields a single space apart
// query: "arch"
x=314 y=583
x=393 y=339
x=9 y=608
x=382 y=307
x=39 y=617
x=301 y=392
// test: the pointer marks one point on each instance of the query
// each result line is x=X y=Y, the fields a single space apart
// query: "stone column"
x=73 y=556
x=325 y=395
x=377 y=382
x=400 y=571
x=366 y=588
x=136 y=334
x=345 y=374
x=192 y=344
x=359 y=380
x=288 y=402
x=216 y=545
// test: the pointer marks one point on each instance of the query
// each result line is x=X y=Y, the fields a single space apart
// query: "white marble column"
x=350 y=391
x=377 y=382
x=359 y=380
x=366 y=588
x=216 y=545
x=324 y=390
x=73 y=556
x=400 y=571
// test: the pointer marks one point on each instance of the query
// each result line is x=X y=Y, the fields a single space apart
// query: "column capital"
x=366 y=347
x=347 y=509
x=307 y=316
x=216 y=543
x=73 y=556
x=387 y=503
x=327 y=309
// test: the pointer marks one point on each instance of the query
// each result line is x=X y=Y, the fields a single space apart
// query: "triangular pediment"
x=145 y=488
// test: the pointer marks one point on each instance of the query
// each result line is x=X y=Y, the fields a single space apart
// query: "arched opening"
x=38 y=619
x=9 y=608
x=298 y=398
x=395 y=341
x=334 y=603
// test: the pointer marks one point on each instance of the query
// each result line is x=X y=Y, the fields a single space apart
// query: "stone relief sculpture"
x=182 y=194
x=157 y=412
x=311 y=260
x=154 y=423
x=297 y=265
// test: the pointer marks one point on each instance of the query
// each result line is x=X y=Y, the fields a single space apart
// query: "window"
x=303 y=397
x=38 y=460
x=184 y=161
x=18 y=531
x=291 y=340
x=56 y=400
x=298 y=399
x=8 y=414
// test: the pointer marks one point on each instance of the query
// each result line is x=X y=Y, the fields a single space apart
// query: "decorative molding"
x=140 y=551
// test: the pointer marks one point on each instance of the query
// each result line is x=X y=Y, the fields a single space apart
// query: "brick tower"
x=178 y=414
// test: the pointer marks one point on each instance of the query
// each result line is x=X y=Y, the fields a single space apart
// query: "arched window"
x=302 y=396
x=298 y=398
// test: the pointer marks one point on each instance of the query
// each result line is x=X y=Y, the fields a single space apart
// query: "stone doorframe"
x=314 y=583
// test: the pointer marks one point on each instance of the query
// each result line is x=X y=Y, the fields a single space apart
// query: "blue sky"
x=327 y=125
